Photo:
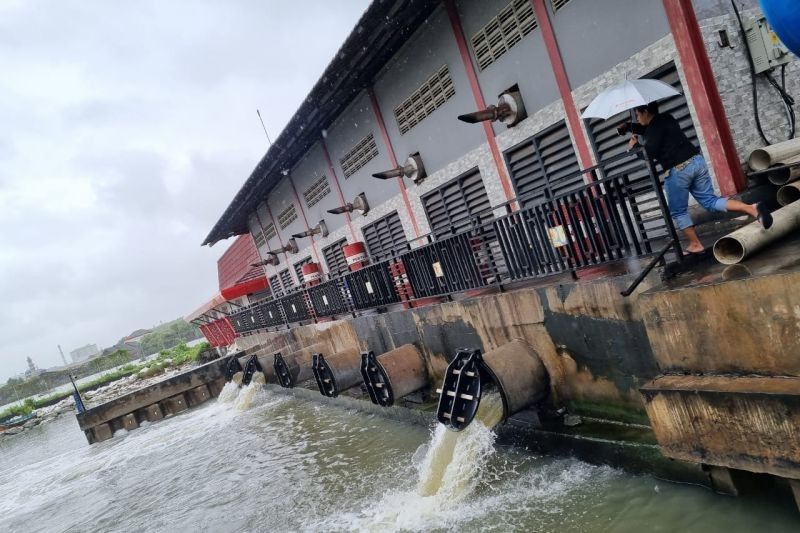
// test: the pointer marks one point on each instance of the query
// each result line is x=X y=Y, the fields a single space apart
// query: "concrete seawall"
x=165 y=398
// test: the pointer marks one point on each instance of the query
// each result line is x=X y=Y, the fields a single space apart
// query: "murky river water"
x=289 y=464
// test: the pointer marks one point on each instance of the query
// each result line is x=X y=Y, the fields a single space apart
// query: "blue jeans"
x=694 y=180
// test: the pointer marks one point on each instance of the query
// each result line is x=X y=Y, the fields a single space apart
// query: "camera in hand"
x=623 y=128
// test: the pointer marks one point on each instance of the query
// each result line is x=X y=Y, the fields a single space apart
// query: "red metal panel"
x=562 y=81
x=226 y=328
x=376 y=109
x=477 y=94
x=246 y=287
x=705 y=96
x=235 y=262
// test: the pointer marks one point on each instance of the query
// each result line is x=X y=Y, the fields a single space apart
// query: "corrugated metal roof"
x=382 y=30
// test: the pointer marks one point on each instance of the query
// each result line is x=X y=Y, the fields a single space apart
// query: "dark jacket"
x=664 y=141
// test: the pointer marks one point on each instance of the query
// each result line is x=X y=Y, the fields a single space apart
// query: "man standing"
x=666 y=144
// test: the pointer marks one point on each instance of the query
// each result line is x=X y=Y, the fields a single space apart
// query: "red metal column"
x=376 y=109
x=705 y=96
x=562 y=81
x=477 y=94
x=303 y=212
x=278 y=234
x=335 y=178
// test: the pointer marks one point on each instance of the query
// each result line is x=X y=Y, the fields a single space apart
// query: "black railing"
x=605 y=221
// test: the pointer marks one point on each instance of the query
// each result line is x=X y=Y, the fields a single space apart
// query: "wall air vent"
x=334 y=258
x=454 y=206
x=258 y=238
x=287 y=216
x=286 y=280
x=317 y=191
x=430 y=96
x=298 y=268
x=385 y=237
x=514 y=22
x=269 y=231
x=558 y=4
x=358 y=156
x=275 y=285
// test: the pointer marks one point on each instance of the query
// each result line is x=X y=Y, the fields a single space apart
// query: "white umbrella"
x=627 y=95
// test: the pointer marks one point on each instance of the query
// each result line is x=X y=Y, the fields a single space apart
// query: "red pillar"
x=305 y=219
x=376 y=109
x=477 y=94
x=562 y=81
x=705 y=96
x=335 y=179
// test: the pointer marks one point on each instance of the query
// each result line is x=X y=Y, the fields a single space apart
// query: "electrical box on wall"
x=765 y=47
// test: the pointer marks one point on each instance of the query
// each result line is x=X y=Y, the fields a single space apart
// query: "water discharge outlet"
x=514 y=368
x=295 y=367
x=234 y=367
x=393 y=375
x=250 y=368
x=338 y=372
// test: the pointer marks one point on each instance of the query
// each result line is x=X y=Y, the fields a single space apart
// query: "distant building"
x=84 y=352
x=136 y=336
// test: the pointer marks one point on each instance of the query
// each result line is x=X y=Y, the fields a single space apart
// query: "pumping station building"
x=437 y=218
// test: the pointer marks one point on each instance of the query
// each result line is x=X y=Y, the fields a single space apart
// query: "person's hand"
x=633 y=142
x=623 y=128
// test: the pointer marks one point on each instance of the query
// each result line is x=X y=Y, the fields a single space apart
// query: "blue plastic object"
x=784 y=17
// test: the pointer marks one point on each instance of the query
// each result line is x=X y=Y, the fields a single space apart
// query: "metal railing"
x=605 y=221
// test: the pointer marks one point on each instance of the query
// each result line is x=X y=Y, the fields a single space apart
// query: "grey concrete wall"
x=350 y=128
x=594 y=36
x=440 y=138
x=525 y=64
x=713 y=8
x=279 y=199
x=309 y=170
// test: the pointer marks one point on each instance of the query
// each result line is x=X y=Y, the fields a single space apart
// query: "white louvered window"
x=287 y=216
x=558 y=4
x=428 y=97
x=358 y=156
x=275 y=285
x=298 y=268
x=334 y=258
x=317 y=191
x=514 y=22
x=286 y=280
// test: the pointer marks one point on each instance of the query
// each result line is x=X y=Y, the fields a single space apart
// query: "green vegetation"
x=168 y=335
x=179 y=355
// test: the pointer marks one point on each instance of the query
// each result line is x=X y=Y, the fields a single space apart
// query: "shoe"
x=764 y=216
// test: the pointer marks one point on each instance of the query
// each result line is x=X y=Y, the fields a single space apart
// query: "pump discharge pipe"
x=746 y=241
x=514 y=368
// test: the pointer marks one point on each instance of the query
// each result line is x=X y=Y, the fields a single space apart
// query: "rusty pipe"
x=393 y=375
x=295 y=367
x=338 y=372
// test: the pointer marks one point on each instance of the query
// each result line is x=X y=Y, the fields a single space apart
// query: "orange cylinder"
x=312 y=274
x=356 y=255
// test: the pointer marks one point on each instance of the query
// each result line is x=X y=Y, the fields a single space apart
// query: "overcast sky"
x=125 y=130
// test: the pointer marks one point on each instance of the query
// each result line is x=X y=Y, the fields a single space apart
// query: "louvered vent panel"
x=558 y=4
x=286 y=280
x=358 y=156
x=425 y=100
x=334 y=258
x=275 y=285
x=269 y=231
x=298 y=268
x=545 y=165
x=317 y=191
x=514 y=22
x=258 y=238
x=287 y=216
x=385 y=237
x=450 y=208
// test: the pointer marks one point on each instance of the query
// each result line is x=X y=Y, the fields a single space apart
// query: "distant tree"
x=169 y=335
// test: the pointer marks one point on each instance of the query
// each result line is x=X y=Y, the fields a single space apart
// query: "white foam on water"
x=251 y=393
x=229 y=392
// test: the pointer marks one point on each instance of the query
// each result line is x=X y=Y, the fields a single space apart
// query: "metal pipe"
x=749 y=239
x=514 y=368
x=789 y=193
x=295 y=367
x=338 y=372
x=786 y=171
x=393 y=375
x=763 y=158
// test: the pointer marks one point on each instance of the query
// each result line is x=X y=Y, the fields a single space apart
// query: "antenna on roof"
x=263 y=126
